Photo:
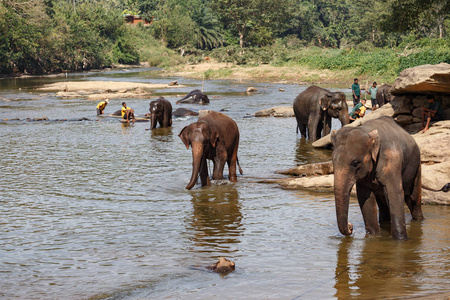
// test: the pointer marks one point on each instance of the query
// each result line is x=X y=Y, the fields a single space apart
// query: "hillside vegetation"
x=377 y=37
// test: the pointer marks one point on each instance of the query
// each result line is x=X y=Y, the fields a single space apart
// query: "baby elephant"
x=223 y=266
x=161 y=112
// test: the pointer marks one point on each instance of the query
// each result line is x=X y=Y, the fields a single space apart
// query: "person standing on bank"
x=373 y=95
x=356 y=91
x=101 y=107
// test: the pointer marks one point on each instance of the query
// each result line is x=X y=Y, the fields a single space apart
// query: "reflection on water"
x=99 y=209
x=306 y=154
x=216 y=219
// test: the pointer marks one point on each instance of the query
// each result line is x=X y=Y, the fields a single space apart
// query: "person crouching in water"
x=101 y=107
x=127 y=113
x=358 y=111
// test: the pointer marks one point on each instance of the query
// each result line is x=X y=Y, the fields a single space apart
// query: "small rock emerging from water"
x=223 y=266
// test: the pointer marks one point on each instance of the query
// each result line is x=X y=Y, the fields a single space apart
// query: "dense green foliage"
x=373 y=37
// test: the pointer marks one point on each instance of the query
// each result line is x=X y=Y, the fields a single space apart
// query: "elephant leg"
x=219 y=161
x=232 y=161
x=414 y=202
x=313 y=123
x=302 y=128
x=327 y=126
x=383 y=209
x=319 y=130
x=368 y=205
x=395 y=195
x=204 y=173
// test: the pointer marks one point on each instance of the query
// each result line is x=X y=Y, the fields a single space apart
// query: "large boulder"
x=423 y=79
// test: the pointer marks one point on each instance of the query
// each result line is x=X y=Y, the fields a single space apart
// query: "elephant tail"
x=444 y=189
x=240 y=169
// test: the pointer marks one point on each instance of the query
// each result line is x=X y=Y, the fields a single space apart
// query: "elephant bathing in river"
x=195 y=96
x=314 y=108
x=161 y=112
x=384 y=162
x=214 y=136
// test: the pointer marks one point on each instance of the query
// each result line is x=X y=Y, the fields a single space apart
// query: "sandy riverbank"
x=268 y=73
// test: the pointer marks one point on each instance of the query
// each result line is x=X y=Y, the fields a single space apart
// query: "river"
x=98 y=209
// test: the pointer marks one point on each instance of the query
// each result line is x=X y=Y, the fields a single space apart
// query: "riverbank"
x=268 y=73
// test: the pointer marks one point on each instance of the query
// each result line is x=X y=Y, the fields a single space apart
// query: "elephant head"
x=336 y=106
x=156 y=111
x=354 y=157
x=202 y=137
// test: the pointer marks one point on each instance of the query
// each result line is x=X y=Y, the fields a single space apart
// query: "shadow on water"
x=305 y=153
x=379 y=266
x=162 y=134
x=216 y=218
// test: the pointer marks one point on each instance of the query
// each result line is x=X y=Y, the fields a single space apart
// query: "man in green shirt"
x=433 y=112
x=372 y=91
x=358 y=111
x=356 y=91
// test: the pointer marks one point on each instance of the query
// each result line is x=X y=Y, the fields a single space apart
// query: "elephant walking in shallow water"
x=384 y=162
x=214 y=136
x=314 y=108
x=161 y=112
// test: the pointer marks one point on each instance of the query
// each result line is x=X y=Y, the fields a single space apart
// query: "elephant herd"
x=380 y=157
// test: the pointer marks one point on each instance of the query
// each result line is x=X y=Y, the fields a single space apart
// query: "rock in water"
x=223 y=266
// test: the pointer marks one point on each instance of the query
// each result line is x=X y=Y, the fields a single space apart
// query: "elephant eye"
x=355 y=163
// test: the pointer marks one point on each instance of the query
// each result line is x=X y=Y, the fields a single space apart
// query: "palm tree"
x=208 y=30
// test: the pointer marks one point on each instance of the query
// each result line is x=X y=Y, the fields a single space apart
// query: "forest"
x=371 y=37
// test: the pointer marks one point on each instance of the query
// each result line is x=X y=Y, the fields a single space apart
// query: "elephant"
x=383 y=95
x=183 y=112
x=214 y=136
x=195 y=96
x=314 y=108
x=384 y=162
x=161 y=112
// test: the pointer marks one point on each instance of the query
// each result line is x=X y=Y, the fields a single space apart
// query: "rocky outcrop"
x=277 y=111
x=423 y=79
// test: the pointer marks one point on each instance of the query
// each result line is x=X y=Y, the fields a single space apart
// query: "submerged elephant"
x=383 y=95
x=195 y=96
x=384 y=162
x=161 y=112
x=314 y=108
x=214 y=136
x=183 y=112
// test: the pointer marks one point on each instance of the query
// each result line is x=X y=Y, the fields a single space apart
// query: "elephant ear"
x=374 y=143
x=325 y=101
x=214 y=136
x=184 y=136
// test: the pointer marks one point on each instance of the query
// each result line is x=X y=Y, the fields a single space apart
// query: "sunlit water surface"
x=98 y=209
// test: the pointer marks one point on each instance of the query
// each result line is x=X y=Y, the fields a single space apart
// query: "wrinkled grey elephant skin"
x=314 y=108
x=384 y=162
x=161 y=113
x=195 y=96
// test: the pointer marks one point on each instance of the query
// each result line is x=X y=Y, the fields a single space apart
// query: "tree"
x=246 y=16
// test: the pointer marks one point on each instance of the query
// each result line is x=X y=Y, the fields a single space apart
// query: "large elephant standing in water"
x=214 y=136
x=314 y=108
x=161 y=112
x=384 y=162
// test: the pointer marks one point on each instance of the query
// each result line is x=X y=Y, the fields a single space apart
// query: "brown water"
x=97 y=209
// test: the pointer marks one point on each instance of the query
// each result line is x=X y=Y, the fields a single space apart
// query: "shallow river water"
x=98 y=209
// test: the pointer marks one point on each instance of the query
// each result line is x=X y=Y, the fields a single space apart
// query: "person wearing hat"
x=127 y=113
x=101 y=107
x=373 y=95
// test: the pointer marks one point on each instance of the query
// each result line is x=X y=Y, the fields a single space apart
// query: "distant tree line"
x=42 y=36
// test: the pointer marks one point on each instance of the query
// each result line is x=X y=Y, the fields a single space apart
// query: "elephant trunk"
x=344 y=116
x=153 y=120
x=197 y=157
x=342 y=188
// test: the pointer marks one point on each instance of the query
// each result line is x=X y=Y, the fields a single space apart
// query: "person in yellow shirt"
x=101 y=107
x=127 y=113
